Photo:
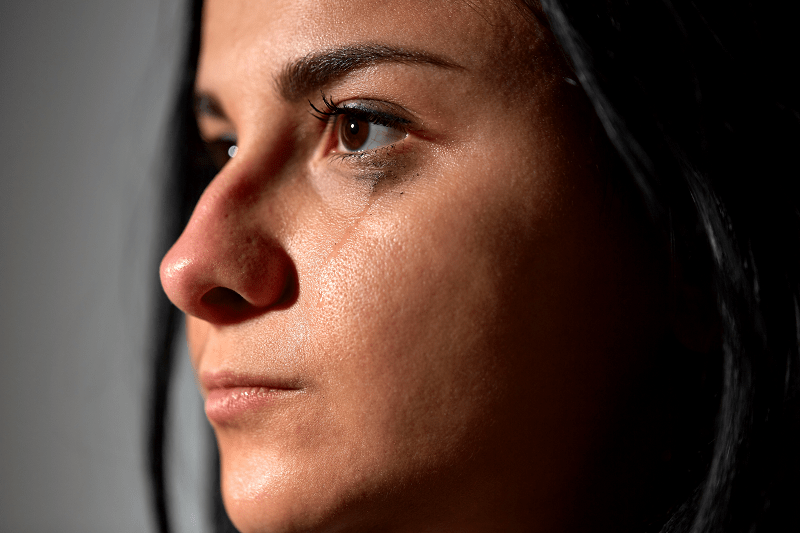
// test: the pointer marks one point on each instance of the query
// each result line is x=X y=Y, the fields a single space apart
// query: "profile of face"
x=416 y=299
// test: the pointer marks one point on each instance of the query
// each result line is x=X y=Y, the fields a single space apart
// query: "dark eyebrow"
x=312 y=72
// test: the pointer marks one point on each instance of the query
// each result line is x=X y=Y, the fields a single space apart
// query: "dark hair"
x=700 y=100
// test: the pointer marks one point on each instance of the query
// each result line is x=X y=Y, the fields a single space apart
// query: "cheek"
x=487 y=280
x=407 y=312
x=416 y=308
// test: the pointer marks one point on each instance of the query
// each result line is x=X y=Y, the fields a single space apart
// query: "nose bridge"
x=229 y=263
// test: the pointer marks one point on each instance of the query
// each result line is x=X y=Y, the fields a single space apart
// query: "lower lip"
x=226 y=404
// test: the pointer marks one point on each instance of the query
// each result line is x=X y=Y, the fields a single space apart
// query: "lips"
x=230 y=397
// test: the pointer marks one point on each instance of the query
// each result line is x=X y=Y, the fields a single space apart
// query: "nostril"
x=224 y=298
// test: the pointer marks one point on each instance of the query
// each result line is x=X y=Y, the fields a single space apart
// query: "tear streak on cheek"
x=340 y=263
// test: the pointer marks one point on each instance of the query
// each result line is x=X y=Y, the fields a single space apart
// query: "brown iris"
x=353 y=133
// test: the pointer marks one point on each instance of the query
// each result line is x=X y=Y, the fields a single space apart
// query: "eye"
x=362 y=126
x=362 y=133
x=221 y=150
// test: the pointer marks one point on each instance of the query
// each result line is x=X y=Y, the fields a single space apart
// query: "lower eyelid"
x=386 y=163
x=373 y=156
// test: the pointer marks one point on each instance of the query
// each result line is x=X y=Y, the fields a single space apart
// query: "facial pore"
x=425 y=311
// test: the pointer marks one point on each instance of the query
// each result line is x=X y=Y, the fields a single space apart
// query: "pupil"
x=353 y=127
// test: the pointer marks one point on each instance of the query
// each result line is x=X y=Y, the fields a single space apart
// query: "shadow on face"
x=414 y=302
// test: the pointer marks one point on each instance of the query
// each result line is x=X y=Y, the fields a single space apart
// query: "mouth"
x=229 y=396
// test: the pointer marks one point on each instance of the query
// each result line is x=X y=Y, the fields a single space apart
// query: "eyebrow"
x=312 y=72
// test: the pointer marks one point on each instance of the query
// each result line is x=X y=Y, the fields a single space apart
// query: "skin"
x=462 y=319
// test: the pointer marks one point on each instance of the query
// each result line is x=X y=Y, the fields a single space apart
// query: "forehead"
x=252 y=40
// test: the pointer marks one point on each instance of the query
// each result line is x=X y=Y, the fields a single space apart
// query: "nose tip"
x=225 y=280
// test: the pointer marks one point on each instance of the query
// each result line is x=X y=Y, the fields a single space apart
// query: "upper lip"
x=228 y=380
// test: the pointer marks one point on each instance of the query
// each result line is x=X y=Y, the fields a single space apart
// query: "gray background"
x=84 y=94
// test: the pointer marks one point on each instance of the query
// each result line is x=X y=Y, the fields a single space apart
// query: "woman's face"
x=426 y=311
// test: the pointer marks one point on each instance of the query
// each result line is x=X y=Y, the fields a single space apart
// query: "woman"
x=489 y=266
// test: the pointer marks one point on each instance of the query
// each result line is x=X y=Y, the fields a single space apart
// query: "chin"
x=275 y=493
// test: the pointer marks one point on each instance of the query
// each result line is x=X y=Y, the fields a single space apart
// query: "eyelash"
x=332 y=111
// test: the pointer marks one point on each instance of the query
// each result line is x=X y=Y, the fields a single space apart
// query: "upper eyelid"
x=364 y=109
x=226 y=136
x=365 y=113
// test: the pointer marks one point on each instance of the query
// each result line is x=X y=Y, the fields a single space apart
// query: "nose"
x=228 y=265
